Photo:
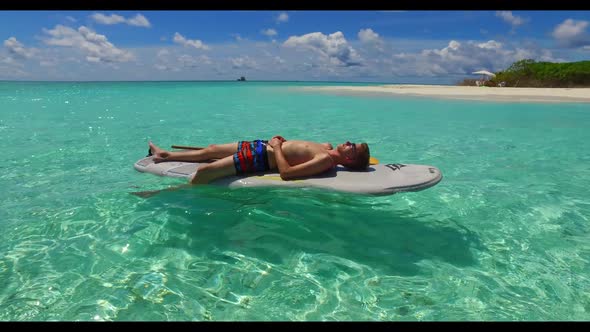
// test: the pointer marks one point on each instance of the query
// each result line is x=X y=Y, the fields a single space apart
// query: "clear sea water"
x=504 y=237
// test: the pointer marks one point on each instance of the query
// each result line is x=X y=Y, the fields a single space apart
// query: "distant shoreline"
x=581 y=95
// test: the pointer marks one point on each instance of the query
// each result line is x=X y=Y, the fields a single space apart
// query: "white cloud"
x=10 y=61
x=71 y=19
x=282 y=18
x=162 y=53
x=269 y=32
x=572 y=33
x=490 y=44
x=12 y=72
x=462 y=58
x=186 y=60
x=508 y=17
x=180 y=39
x=138 y=20
x=570 y=29
x=163 y=60
x=91 y=58
x=96 y=47
x=368 y=36
x=160 y=67
x=103 y=19
x=17 y=49
x=333 y=47
x=237 y=37
x=303 y=57
x=170 y=60
x=50 y=62
x=243 y=62
x=371 y=38
x=205 y=60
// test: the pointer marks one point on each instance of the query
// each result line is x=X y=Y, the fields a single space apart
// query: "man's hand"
x=276 y=141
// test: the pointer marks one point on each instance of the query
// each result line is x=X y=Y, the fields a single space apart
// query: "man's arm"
x=315 y=166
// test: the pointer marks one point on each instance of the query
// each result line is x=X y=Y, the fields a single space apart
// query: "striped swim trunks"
x=251 y=157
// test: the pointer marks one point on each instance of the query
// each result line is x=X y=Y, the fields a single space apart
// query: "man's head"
x=357 y=155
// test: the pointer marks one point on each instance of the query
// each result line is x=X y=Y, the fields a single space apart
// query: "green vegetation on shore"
x=529 y=73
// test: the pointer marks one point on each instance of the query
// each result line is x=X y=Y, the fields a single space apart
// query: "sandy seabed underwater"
x=504 y=237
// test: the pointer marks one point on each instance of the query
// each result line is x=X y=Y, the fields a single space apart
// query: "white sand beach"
x=468 y=92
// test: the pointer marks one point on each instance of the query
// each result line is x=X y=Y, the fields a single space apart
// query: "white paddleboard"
x=381 y=179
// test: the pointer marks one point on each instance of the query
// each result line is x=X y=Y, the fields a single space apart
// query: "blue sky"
x=363 y=46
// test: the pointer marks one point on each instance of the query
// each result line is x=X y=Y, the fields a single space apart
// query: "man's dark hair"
x=361 y=162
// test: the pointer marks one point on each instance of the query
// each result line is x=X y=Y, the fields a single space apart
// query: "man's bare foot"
x=159 y=155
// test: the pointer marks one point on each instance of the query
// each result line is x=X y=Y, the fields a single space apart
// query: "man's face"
x=348 y=149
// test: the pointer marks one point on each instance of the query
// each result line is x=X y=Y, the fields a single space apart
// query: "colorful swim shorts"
x=251 y=157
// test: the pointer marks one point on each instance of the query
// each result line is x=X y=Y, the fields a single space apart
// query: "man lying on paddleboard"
x=293 y=159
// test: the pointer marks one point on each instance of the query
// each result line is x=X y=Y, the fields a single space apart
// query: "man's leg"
x=213 y=151
x=205 y=174
x=217 y=169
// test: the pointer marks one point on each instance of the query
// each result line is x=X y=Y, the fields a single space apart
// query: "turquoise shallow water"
x=504 y=236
